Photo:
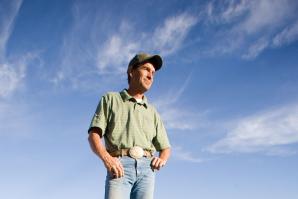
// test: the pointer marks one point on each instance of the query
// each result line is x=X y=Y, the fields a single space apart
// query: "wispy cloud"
x=95 y=49
x=266 y=15
x=269 y=132
x=250 y=17
x=169 y=36
x=106 y=50
x=287 y=36
x=10 y=78
x=181 y=154
x=16 y=120
x=12 y=72
x=121 y=46
x=114 y=55
x=7 y=17
x=93 y=60
x=256 y=48
x=250 y=25
x=225 y=12
x=175 y=116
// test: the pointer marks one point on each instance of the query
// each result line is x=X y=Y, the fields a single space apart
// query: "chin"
x=148 y=87
x=145 y=88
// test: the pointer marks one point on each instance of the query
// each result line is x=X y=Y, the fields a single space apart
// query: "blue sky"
x=227 y=94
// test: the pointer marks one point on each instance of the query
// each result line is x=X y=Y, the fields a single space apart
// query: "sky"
x=227 y=94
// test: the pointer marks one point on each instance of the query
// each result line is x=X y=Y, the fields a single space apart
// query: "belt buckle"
x=136 y=152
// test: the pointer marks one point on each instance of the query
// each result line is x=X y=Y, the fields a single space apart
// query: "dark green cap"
x=141 y=58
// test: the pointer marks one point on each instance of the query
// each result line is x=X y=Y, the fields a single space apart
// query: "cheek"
x=143 y=77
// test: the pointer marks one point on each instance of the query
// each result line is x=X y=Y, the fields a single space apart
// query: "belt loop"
x=151 y=153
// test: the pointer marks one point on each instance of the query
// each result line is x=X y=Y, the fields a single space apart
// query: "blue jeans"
x=137 y=183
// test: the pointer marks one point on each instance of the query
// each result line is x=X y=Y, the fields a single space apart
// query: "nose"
x=150 y=75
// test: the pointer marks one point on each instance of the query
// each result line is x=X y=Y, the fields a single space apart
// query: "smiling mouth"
x=147 y=80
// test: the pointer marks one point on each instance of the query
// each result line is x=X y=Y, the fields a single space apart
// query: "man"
x=133 y=131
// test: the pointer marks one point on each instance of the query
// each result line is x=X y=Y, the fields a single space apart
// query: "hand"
x=157 y=163
x=114 y=166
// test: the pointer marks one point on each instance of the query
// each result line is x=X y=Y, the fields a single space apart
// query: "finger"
x=120 y=171
x=120 y=168
x=160 y=164
x=113 y=171
x=116 y=171
x=153 y=163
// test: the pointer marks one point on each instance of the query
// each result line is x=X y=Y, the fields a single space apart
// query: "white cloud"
x=12 y=72
x=226 y=11
x=256 y=48
x=266 y=14
x=169 y=37
x=120 y=47
x=10 y=78
x=178 y=117
x=234 y=10
x=250 y=25
x=251 y=16
x=269 y=132
x=8 y=13
x=114 y=55
x=106 y=52
x=288 y=35
x=181 y=154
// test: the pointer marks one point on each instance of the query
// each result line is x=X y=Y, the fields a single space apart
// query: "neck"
x=135 y=93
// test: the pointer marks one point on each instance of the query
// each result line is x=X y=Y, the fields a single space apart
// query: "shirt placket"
x=138 y=113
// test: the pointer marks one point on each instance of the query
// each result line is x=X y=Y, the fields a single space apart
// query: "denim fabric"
x=137 y=183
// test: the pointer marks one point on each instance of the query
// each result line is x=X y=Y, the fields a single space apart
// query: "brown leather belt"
x=125 y=152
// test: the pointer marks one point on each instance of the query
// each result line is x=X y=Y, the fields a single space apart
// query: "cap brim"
x=156 y=61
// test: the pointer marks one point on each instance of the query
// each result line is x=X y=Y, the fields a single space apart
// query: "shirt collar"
x=126 y=97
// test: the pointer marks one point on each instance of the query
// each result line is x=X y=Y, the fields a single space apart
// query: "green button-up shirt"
x=125 y=123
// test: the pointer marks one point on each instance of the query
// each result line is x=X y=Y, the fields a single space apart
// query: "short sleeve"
x=160 y=141
x=99 y=119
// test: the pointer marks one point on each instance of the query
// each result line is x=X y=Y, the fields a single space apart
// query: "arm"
x=112 y=164
x=161 y=161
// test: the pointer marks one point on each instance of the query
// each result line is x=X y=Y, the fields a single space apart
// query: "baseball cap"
x=141 y=58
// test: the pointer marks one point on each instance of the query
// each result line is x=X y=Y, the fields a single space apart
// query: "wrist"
x=164 y=162
x=105 y=157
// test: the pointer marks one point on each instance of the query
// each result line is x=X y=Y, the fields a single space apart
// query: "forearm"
x=158 y=162
x=165 y=154
x=96 y=145
x=112 y=164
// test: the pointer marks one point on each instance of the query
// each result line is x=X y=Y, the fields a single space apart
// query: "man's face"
x=142 y=77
